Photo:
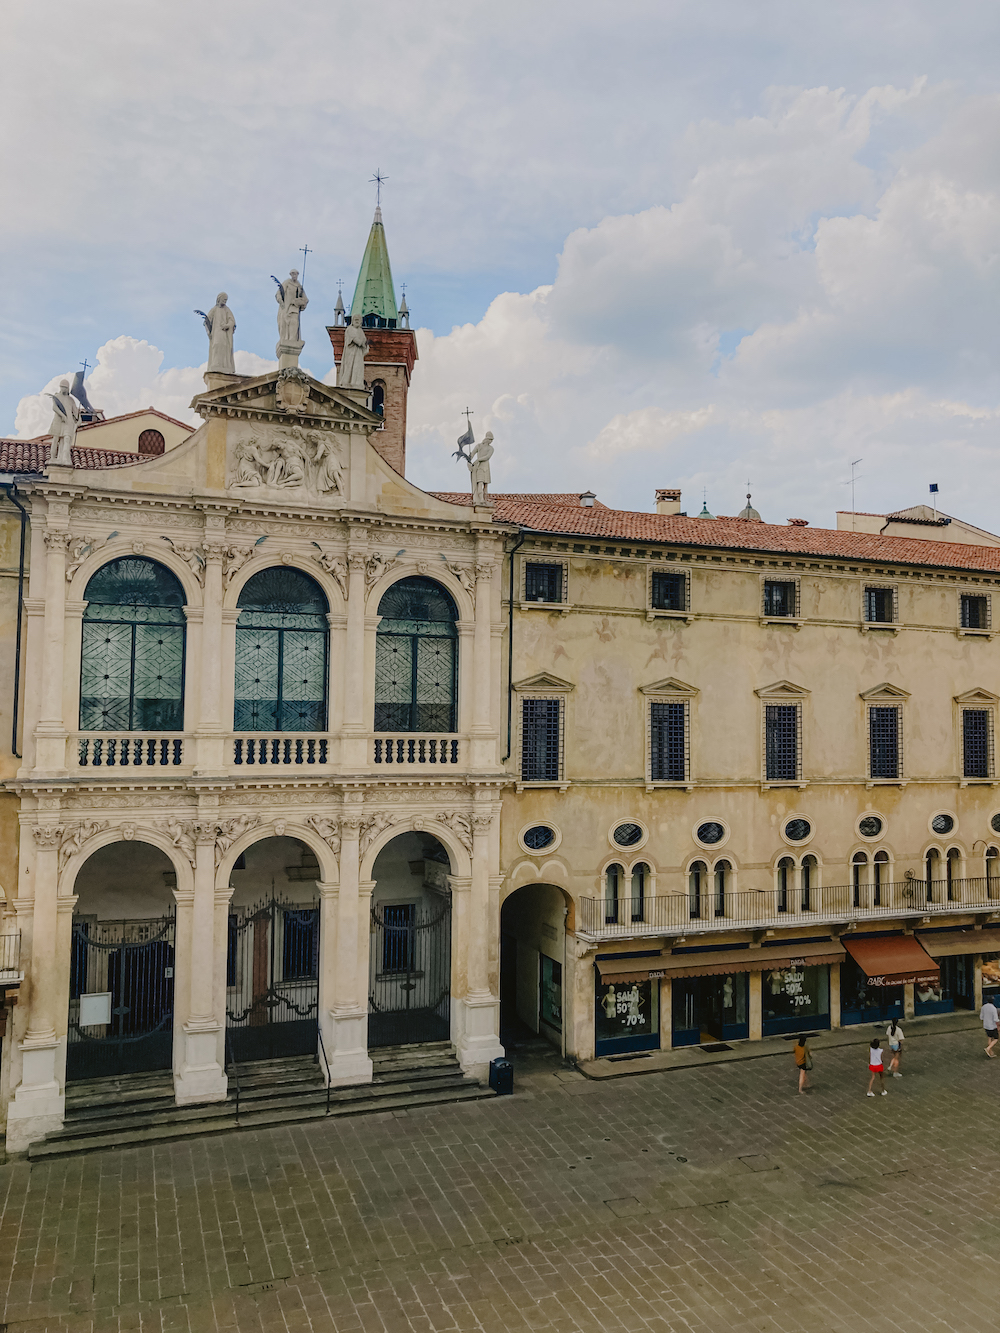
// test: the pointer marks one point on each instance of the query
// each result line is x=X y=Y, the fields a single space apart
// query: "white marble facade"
x=281 y=473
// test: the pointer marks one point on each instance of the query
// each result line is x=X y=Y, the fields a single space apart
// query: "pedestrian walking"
x=989 y=1018
x=896 y=1037
x=803 y=1061
x=875 y=1066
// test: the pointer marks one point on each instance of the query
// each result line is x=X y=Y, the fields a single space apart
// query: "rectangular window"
x=975 y=612
x=779 y=598
x=668 y=742
x=879 y=606
x=976 y=742
x=883 y=732
x=669 y=592
x=781 y=742
x=540 y=740
x=397 y=938
x=299 y=952
x=542 y=583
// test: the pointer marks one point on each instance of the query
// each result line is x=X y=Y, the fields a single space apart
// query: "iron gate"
x=121 y=1004
x=272 y=979
x=409 y=997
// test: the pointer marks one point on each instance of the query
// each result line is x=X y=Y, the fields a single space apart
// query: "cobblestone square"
x=699 y=1199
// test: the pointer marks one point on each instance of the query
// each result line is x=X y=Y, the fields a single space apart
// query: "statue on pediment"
x=292 y=300
x=65 y=423
x=220 y=325
x=351 y=371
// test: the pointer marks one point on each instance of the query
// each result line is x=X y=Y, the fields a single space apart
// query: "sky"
x=680 y=243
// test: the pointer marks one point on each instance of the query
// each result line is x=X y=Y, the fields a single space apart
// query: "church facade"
x=308 y=761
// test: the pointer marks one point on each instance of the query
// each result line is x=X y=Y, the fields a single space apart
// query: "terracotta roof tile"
x=31 y=456
x=741 y=535
x=569 y=498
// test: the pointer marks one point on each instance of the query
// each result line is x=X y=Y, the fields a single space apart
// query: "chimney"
x=668 y=502
x=587 y=499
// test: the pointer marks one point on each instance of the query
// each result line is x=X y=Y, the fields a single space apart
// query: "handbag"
x=809 y=1062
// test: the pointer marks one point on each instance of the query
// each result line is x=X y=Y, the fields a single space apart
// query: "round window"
x=870 y=826
x=942 y=823
x=538 y=837
x=627 y=835
x=710 y=833
x=797 y=830
x=995 y=823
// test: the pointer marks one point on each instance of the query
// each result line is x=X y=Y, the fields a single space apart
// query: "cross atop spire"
x=378 y=180
x=374 y=294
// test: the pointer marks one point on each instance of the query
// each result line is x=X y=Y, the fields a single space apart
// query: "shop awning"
x=893 y=960
x=720 y=962
x=948 y=943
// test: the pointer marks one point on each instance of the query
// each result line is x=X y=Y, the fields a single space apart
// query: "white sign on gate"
x=95 y=1009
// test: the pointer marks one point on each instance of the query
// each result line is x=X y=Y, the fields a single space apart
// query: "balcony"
x=130 y=749
x=704 y=913
x=416 y=751
x=10 y=960
x=280 y=750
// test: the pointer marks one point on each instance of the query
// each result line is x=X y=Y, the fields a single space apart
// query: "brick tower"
x=392 y=344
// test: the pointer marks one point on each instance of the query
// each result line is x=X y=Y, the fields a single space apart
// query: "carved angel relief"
x=284 y=458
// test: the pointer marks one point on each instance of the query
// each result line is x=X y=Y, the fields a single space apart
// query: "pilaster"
x=201 y=1076
x=348 y=1049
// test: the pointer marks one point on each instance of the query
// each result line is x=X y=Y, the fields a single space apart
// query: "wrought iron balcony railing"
x=10 y=957
x=129 y=749
x=415 y=750
x=698 y=913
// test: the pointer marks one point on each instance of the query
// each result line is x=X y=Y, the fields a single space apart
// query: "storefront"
x=872 y=978
x=712 y=1008
x=991 y=977
x=627 y=1004
x=795 y=998
x=955 y=952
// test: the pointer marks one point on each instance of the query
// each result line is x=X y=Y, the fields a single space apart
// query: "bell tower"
x=392 y=344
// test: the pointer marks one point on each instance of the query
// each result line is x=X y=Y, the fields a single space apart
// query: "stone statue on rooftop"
x=292 y=300
x=479 y=468
x=351 y=371
x=65 y=422
x=220 y=327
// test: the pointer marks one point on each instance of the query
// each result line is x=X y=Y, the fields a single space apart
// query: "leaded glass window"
x=281 y=653
x=781 y=742
x=667 y=742
x=132 y=666
x=416 y=658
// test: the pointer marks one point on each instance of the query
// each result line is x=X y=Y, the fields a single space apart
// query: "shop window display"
x=795 y=999
x=626 y=1016
x=861 y=1003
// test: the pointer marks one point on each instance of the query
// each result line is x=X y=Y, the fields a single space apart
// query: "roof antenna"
x=934 y=492
x=854 y=525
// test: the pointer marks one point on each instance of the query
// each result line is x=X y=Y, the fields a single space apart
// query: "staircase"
x=138 y=1109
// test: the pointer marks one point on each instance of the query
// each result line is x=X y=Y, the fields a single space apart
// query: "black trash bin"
x=502 y=1077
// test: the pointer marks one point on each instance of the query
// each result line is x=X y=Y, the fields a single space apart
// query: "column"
x=328 y=901
x=755 y=1014
x=50 y=733
x=201 y=1076
x=348 y=1050
x=908 y=1001
x=355 y=728
x=38 y=1103
x=977 y=982
x=666 y=1014
x=834 y=995
x=483 y=749
x=211 y=730
x=476 y=1021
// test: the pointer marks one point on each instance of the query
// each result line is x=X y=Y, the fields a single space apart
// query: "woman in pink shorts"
x=875 y=1066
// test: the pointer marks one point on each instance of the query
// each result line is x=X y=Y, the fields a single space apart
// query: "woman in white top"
x=895 y=1034
x=875 y=1066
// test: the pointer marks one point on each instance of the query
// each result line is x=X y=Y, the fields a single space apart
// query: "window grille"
x=540 y=740
x=880 y=605
x=542 y=583
x=779 y=597
x=398 y=937
x=132 y=662
x=668 y=742
x=781 y=742
x=281 y=653
x=976 y=747
x=668 y=592
x=416 y=658
x=975 y=612
x=883 y=731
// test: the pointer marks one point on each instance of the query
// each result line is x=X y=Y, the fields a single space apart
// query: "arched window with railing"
x=281 y=653
x=809 y=872
x=612 y=888
x=722 y=872
x=953 y=864
x=881 y=872
x=640 y=878
x=416 y=658
x=132 y=662
x=697 y=874
x=786 y=869
x=932 y=870
x=859 y=871
x=993 y=872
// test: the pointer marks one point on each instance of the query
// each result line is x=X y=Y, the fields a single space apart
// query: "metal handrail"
x=10 y=952
x=231 y=1061
x=321 y=1050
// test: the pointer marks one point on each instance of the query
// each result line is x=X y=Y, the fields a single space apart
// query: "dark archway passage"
x=532 y=959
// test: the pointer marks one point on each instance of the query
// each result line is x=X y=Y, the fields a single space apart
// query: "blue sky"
x=654 y=244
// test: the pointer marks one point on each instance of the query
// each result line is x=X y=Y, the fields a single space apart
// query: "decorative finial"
x=378 y=180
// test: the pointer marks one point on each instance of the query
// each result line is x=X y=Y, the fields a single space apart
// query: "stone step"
x=56 y=1146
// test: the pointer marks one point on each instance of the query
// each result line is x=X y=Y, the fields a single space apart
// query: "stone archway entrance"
x=532 y=959
x=409 y=974
x=272 y=956
x=121 y=990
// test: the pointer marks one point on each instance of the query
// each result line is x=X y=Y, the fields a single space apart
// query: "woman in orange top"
x=803 y=1061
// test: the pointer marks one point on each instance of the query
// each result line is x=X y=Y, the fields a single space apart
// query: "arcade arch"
x=532 y=962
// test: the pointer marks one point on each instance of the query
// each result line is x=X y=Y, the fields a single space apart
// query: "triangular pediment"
x=782 y=689
x=287 y=395
x=546 y=682
x=977 y=696
x=885 y=691
x=671 y=685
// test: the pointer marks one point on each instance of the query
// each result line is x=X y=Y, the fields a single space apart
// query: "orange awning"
x=893 y=960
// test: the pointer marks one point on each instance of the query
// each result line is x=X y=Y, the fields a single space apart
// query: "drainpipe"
x=510 y=645
x=11 y=490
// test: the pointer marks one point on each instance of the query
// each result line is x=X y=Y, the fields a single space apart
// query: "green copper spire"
x=374 y=294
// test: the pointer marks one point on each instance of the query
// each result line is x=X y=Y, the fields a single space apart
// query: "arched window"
x=992 y=872
x=132 y=667
x=785 y=868
x=858 y=863
x=931 y=871
x=696 y=878
x=416 y=658
x=722 y=870
x=281 y=639
x=881 y=873
x=151 y=442
x=640 y=874
x=953 y=863
x=809 y=868
x=378 y=398
x=612 y=884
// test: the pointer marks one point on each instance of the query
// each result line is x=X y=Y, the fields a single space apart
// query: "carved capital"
x=48 y=835
x=215 y=552
x=482 y=823
x=57 y=541
x=484 y=570
x=351 y=825
x=356 y=561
